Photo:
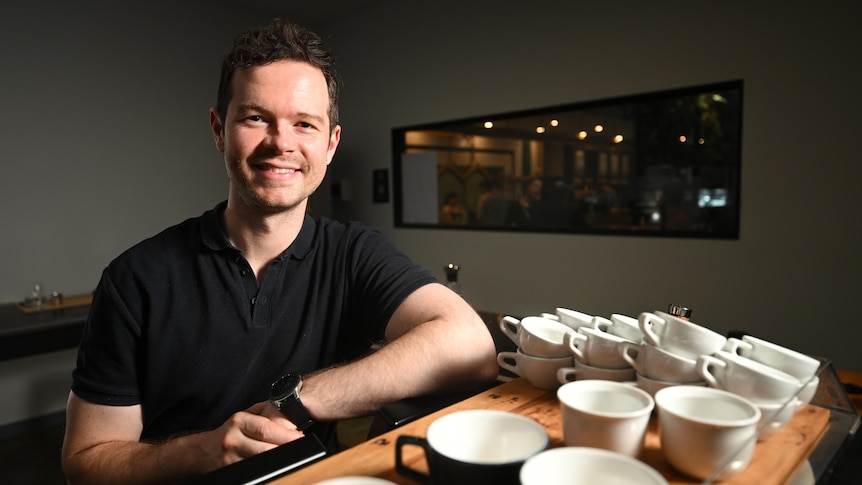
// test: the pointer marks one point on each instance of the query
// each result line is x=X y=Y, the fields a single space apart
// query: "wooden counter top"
x=774 y=461
x=23 y=334
x=849 y=377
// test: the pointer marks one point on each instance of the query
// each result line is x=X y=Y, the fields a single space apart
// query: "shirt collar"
x=213 y=235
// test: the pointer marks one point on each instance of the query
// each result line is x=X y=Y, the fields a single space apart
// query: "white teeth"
x=282 y=170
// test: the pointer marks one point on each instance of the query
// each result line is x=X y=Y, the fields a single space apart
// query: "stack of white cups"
x=541 y=349
x=776 y=379
x=596 y=345
x=669 y=351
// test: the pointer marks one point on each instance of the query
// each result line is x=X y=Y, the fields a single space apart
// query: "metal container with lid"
x=679 y=311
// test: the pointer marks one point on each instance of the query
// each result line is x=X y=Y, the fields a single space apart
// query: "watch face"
x=284 y=386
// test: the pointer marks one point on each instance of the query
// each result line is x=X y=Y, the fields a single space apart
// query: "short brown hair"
x=275 y=41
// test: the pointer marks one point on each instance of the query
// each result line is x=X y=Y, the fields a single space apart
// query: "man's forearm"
x=426 y=359
x=92 y=455
x=134 y=462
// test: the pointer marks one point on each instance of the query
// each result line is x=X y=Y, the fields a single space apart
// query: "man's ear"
x=334 y=138
x=217 y=128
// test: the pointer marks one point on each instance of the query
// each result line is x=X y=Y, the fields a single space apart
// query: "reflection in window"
x=664 y=163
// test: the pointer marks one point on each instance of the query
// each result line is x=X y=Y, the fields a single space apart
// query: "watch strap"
x=293 y=409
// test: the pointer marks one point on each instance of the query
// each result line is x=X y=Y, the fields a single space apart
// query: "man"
x=189 y=329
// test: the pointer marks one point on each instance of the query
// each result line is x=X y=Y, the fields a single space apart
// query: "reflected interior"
x=662 y=163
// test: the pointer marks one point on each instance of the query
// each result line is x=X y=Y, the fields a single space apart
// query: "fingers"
x=248 y=433
x=275 y=415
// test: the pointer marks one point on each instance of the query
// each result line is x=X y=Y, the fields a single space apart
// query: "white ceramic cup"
x=474 y=446
x=537 y=336
x=355 y=480
x=574 y=318
x=705 y=432
x=619 y=325
x=652 y=386
x=597 y=348
x=809 y=389
x=678 y=335
x=775 y=416
x=584 y=372
x=569 y=465
x=605 y=414
x=747 y=378
x=539 y=371
x=799 y=365
x=658 y=363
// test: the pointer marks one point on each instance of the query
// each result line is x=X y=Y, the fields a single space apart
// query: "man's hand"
x=259 y=428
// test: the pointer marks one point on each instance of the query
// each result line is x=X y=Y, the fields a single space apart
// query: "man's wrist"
x=285 y=395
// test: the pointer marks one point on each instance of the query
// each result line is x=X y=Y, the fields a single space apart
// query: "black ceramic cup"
x=474 y=447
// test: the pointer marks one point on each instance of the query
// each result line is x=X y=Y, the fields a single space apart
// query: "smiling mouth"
x=282 y=170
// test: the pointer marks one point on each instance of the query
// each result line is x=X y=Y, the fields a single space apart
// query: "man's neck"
x=260 y=236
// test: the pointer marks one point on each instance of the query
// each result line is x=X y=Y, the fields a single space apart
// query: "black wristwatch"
x=285 y=396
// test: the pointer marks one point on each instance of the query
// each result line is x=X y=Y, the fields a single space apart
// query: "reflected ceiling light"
x=540 y=129
x=599 y=128
x=618 y=138
x=489 y=124
x=682 y=138
x=555 y=122
x=582 y=135
x=701 y=141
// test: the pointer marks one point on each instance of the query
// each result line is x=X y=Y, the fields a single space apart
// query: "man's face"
x=276 y=138
x=536 y=189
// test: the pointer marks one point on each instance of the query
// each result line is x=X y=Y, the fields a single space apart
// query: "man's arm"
x=102 y=445
x=436 y=341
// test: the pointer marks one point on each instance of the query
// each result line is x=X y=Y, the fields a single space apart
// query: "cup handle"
x=627 y=349
x=571 y=341
x=646 y=320
x=510 y=327
x=602 y=324
x=401 y=467
x=704 y=363
x=503 y=359
x=738 y=347
x=564 y=374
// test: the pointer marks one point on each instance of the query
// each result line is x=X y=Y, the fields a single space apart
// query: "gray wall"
x=105 y=141
x=792 y=277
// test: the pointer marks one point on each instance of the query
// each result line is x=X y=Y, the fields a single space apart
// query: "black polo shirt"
x=179 y=325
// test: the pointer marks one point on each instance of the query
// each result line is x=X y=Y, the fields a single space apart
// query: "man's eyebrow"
x=250 y=107
x=243 y=108
x=315 y=117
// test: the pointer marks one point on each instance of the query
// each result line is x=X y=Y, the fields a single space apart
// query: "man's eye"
x=255 y=118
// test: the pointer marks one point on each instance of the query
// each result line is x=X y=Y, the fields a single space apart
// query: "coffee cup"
x=652 y=386
x=474 y=446
x=799 y=365
x=583 y=372
x=355 y=480
x=679 y=335
x=809 y=389
x=536 y=335
x=705 y=432
x=539 y=371
x=574 y=318
x=775 y=416
x=597 y=348
x=658 y=363
x=747 y=378
x=550 y=316
x=605 y=414
x=619 y=325
x=577 y=464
